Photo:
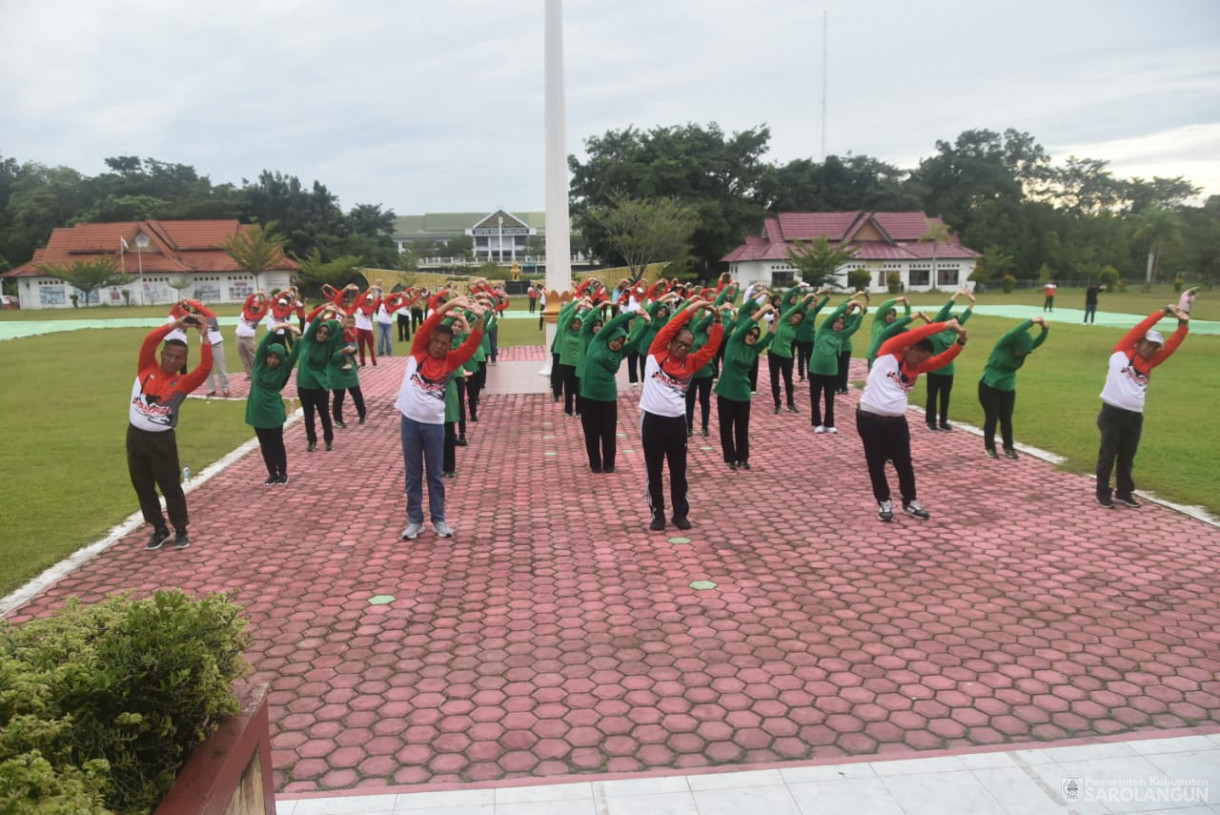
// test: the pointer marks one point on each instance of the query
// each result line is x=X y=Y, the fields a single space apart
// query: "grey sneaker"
x=159 y=538
x=1127 y=500
x=181 y=539
x=885 y=510
x=412 y=531
x=913 y=508
x=442 y=529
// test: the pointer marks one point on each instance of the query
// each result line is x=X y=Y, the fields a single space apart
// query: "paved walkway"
x=555 y=637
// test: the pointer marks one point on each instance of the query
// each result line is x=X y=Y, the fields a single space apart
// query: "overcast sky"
x=425 y=106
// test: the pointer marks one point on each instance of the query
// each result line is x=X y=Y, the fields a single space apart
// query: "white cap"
x=1155 y=336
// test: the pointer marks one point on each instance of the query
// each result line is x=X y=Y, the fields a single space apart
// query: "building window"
x=785 y=278
x=946 y=277
x=920 y=277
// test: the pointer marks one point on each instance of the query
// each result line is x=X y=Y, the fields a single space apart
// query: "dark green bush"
x=1008 y=283
x=114 y=697
x=858 y=279
x=893 y=282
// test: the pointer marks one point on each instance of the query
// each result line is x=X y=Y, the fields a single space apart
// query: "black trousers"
x=844 y=367
x=152 y=462
x=474 y=387
x=1048 y=304
x=449 y=452
x=313 y=400
x=819 y=384
x=556 y=377
x=404 y=327
x=460 y=382
x=753 y=374
x=664 y=440
x=778 y=366
x=1120 y=440
x=804 y=350
x=997 y=406
x=493 y=340
x=417 y=318
x=701 y=389
x=635 y=360
x=600 y=421
x=533 y=304
x=887 y=438
x=937 y=407
x=734 y=419
x=357 y=400
x=571 y=389
x=1090 y=312
x=275 y=456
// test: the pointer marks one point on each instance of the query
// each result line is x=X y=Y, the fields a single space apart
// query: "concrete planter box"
x=230 y=773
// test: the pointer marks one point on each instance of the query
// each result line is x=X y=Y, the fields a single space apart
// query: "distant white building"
x=884 y=242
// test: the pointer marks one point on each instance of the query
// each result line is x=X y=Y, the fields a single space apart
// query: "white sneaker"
x=885 y=510
x=412 y=531
x=443 y=529
x=832 y=430
x=913 y=508
x=819 y=429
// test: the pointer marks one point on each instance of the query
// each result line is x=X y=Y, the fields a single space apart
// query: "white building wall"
x=916 y=276
x=153 y=289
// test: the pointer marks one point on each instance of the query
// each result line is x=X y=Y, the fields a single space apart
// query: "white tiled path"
x=1002 y=783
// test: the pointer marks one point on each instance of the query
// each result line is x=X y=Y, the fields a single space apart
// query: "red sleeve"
x=652 y=290
x=202 y=309
x=1171 y=345
x=424 y=334
x=670 y=330
x=704 y=355
x=1127 y=343
x=196 y=377
x=458 y=356
x=580 y=290
x=500 y=309
x=313 y=314
x=434 y=300
x=298 y=309
x=148 y=350
x=901 y=342
x=252 y=314
x=941 y=360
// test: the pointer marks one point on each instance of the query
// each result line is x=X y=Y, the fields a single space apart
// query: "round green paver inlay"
x=679 y=540
x=550 y=453
x=702 y=585
x=381 y=599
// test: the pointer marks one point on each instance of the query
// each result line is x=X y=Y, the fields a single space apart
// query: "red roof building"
x=160 y=253
x=884 y=242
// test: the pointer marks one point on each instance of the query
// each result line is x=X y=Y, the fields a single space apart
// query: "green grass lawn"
x=64 y=415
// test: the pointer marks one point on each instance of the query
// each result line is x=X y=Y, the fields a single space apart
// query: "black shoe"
x=932 y=426
x=361 y=420
x=159 y=538
x=793 y=409
x=743 y=465
x=690 y=431
x=732 y=465
x=1127 y=500
x=340 y=425
x=992 y=454
x=272 y=481
x=777 y=410
x=1010 y=453
x=658 y=523
x=705 y=432
x=595 y=469
x=283 y=480
x=682 y=522
x=181 y=539
x=1106 y=501
x=609 y=468
x=461 y=441
x=330 y=445
x=313 y=446
x=474 y=418
x=946 y=426
x=913 y=508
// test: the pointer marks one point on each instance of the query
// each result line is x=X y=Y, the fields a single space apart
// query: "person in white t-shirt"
x=881 y=417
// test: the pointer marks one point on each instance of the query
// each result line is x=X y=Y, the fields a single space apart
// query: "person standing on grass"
x=668 y=369
x=152 y=448
x=824 y=364
x=733 y=389
x=599 y=388
x=533 y=298
x=421 y=401
x=1049 y=290
x=940 y=382
x=1121 y=420
x=265 y=405
x=218 y=377
x=252 y=313
x=881 y=416
x=1090 y=302
x=998 y=386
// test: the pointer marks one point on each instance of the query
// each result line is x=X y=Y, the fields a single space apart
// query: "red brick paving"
x=555 y=635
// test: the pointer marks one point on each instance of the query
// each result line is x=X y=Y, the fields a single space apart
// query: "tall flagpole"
x=825 y=40
x=558 y=235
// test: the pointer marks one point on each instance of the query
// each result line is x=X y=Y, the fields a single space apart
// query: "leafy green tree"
x=338 y=272
x=837 y=184
x=640 y=232
x=818 y=261
x=992 y=265
x=88 y=275
x=255 y=248
x=305 y=215
x=1157 y=227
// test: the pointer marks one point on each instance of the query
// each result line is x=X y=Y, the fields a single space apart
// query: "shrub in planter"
x=105 y=703
x=1008 y=283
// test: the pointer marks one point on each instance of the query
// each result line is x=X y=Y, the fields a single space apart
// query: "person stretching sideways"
x=667 y=374
x=252 y=312
x=824 y=365
x=733 y=389
x=939 y=383
x=152 y=448
x=265 y=404
x=421 y=401
x=599 y=388
x=998 y=387
x=1121 y=420
x=881 y=417
x=783 y=342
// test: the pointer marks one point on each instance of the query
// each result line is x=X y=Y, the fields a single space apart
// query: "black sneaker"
x=932 y=426
x=1127 y=500
x=992 y=454
x=1010 y=453
x=793 y=409
x=461 y=440
x=272 y=481
x=705 y=432
x=743 y=465
x=1106 y=501
x=681 y=522
x=283 y=479
x=658 y=523
x=609 y=468
x=777 y=410
x=595 y=469
x=181 y=539
x=732 y=465
x=885 y=510
x=913 y=508
x=313 y=446
x=159 y=538
x=330 y=445
x=946 y=426
x=361 y=420
x=340 y=425
x=690 y=431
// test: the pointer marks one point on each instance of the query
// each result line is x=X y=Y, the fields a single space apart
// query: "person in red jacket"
x=152 y=448
x=668 y=370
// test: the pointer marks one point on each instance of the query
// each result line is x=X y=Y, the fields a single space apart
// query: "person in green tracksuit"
x=783 y=339
x=998 y=385
x=940 y=381
x=265 y=412
x=344 y=377
x=476 y=366
x=556 y=369
x=599 y=387
x=568 y=337
x=806 y=330
x=733 y=389
x=824 y=364
x=322 y=340
x=887 y=323
x=846 y=349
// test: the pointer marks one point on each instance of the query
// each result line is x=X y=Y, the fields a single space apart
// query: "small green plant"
x=1008 y=283
x=1178 y=283
x=1122 y=285
x=1108 y=277
x=893 y=282
x=858 y=279
x=108 y=701
x=75 y=298
x=127 y=297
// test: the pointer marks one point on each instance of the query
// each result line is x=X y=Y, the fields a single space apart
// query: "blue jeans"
x=384 y=347
x=423 y=446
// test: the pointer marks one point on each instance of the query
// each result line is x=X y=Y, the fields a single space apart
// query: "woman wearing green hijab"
x=265 y=405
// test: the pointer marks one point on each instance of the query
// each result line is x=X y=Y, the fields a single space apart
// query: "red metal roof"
x=902 y=231
x=174 y=247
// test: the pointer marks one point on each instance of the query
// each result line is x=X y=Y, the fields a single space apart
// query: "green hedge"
x=100 y=706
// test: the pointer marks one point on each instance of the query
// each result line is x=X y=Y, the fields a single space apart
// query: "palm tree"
x=1160 y=227
x=938 y=233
